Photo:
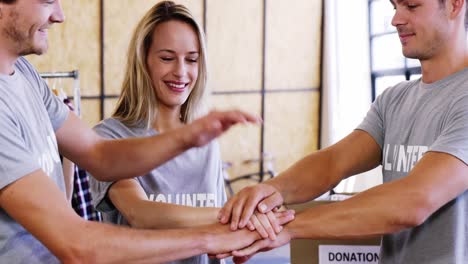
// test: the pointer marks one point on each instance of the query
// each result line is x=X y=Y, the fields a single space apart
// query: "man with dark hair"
x=417 y=130
x=36 y=221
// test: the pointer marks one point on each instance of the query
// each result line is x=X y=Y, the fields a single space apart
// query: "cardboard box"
x=307 y=251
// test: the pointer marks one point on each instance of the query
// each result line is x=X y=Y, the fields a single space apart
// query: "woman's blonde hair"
x=138 y=102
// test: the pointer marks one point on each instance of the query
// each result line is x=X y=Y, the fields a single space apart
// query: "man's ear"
x=454 y=7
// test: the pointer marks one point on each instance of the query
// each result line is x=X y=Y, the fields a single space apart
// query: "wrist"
x=276 y=186
x=296 y=229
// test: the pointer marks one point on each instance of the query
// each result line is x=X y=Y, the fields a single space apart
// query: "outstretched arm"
x=306 y=179
x=131 y=201
x=111 y=160
x=436 y=179
x=36 y=203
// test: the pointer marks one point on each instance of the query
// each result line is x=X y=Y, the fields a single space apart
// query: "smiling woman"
x=156 y=50
x=173 y=63
x=163 y=88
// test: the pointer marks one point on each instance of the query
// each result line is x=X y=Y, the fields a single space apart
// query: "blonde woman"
x=163 y=89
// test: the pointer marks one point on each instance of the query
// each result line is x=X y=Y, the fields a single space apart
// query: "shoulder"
x=396 y=94
x=7 y=115
x=400 y=88
x=25 y=67
x=114 y=128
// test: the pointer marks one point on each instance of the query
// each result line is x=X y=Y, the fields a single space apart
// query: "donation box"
x=309 y=251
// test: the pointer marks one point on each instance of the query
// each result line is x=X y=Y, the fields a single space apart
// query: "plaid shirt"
x=81 y=199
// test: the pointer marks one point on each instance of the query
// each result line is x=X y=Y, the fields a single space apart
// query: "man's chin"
x=410 y=55
x=36 y=51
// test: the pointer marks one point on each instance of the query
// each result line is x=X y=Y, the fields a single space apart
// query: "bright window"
x=388 y=65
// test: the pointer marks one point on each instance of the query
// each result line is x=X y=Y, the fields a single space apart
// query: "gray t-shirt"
x=194 y=178
x=29 y=116
x=408 y=120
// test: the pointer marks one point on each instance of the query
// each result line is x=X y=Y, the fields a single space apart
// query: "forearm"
x=155 y=215
x=131 y=201
x=380 y=210
x=324 y=169
x=111 y=161
x=126 y=158
x=307 y=179
x=126 y=245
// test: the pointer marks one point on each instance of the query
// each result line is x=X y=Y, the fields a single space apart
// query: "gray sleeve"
x=15 y=157
x=454 y=137
x=56 y=109
x=373 y=123
x=99 y=189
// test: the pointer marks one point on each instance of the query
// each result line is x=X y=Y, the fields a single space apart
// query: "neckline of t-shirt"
x=443 y=82
x=10 y=77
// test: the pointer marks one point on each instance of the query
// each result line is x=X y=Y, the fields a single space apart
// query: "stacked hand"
x=255 y=208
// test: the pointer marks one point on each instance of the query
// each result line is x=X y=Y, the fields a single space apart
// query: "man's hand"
x=203 y=130
x=243 y=255
x=240 y=256
x=271 y=223
x=221 y=239
x=240 y=207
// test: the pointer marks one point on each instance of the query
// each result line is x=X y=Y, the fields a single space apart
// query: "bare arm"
x=111 y=160
x=391 y=207
x=306 y=179
x=38 y=205
x=437 y=179
x=130 y=199
x=324 y=169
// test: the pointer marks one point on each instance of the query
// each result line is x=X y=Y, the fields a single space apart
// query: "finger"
x=251 y=204
x=273 y=221
x=250 y=250
x=270 y=202
x=236 y=212
x=223 y=255
x=259 y=226
x=233 y=117
x=251 y=226
x=225 y=212
x=230 y=118
x=251 y=118
x=265 y=222
x=240 y=260
x=243 y=211
x=285 y=217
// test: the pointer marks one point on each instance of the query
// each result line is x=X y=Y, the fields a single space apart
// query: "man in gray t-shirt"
x=417 y=131
x=37 y=225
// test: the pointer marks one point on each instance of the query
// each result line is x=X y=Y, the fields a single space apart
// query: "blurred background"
x=309 y=68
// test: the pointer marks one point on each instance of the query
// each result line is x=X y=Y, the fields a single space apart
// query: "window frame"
x=405 y=70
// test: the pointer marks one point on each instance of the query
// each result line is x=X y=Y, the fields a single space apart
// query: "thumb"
x=270 y=202
x=240 y=260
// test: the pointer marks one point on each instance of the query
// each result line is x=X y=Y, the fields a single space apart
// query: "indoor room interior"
x=309 y=68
